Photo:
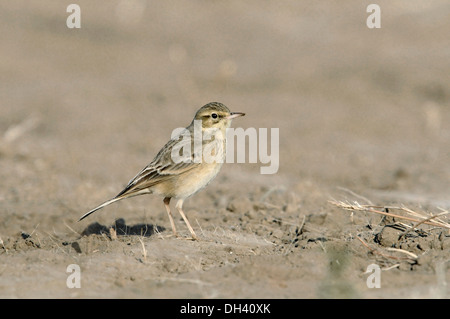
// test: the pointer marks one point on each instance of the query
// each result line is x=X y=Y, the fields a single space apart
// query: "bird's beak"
x=234 y=115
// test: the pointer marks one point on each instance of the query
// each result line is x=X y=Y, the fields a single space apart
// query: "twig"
x=391 y=267
x=156 y=230
x=323 y=247
x=354 y=194
x=375 y=251
x=144 y=251
x=31 y=234
x=56 y=243
x=300 y=228
x=113 y=234
x=71 y=229
x=201 y=229
x=421 y=222
x=403 y=251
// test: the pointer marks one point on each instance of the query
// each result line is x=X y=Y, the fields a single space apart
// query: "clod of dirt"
x=240 y=205
x=25 y=235
x=388 y=236
x=317 y=219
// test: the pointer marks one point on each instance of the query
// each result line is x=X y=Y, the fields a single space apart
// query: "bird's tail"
x=115 y=199
x=120 y=196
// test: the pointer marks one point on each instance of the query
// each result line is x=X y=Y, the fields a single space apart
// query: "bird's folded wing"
x=161 y=169
x=151 y=176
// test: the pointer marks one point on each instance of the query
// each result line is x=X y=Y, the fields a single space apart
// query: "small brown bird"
x=173 y=175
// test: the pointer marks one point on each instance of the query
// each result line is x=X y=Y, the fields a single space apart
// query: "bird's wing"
x=162 y=168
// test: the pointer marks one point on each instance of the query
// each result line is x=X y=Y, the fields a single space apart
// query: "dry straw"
x=413 y=216
x=401 y=213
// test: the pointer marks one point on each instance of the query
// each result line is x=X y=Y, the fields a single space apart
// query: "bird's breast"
x=196 y=179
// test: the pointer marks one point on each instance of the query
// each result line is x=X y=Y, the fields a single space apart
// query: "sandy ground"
x=363 y=115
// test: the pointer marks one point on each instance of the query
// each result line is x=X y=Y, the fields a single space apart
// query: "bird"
x=203 y=146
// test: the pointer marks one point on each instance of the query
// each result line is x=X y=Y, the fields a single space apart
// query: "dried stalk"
x=377 y=252
x=373 y=209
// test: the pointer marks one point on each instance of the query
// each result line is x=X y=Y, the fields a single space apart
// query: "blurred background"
x=83 y=110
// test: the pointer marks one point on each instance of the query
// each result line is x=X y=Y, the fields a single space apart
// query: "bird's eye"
x=214 y=115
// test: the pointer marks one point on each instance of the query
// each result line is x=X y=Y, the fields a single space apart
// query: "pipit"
x=180 y=176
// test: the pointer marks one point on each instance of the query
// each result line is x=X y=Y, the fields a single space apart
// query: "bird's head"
x=216 y=115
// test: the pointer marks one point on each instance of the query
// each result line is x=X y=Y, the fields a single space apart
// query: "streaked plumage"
x=165 y=177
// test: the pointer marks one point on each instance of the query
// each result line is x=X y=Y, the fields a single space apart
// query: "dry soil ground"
x=363 y=115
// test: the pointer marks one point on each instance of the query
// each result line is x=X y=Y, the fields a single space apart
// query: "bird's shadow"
x=122 y=229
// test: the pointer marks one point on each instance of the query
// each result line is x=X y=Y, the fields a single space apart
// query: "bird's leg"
x=179 y=206
x=166 y=204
